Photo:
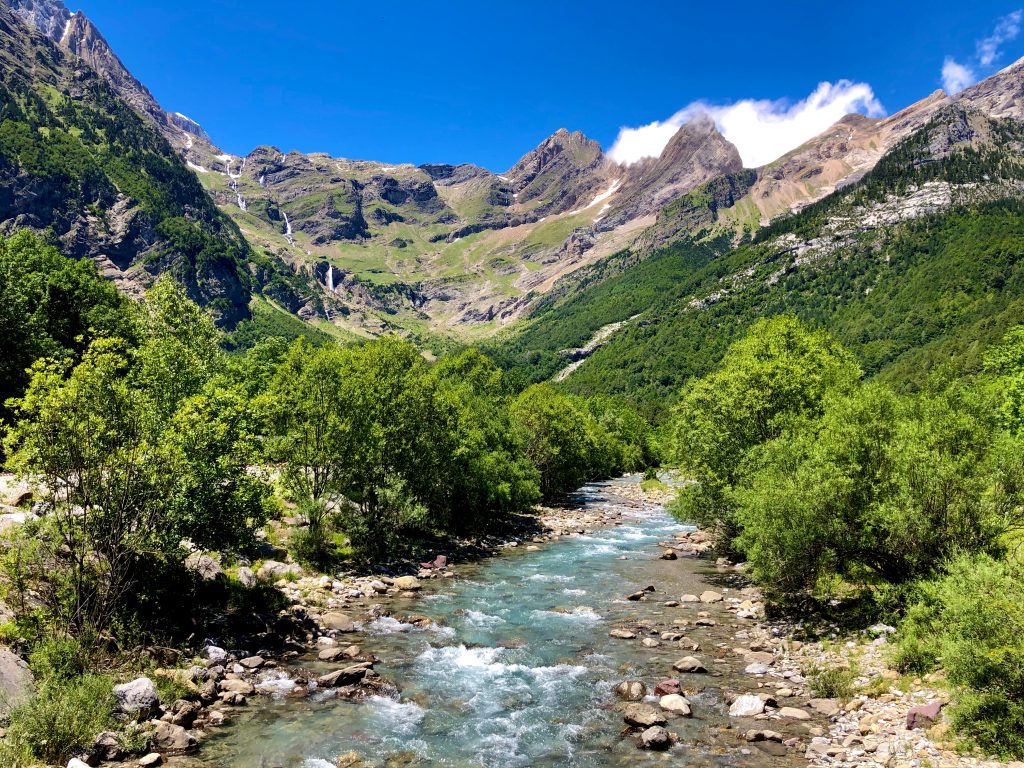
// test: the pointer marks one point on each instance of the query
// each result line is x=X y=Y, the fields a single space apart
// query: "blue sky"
x=485 y=82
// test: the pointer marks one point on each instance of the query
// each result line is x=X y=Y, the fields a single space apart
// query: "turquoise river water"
x=519 y=670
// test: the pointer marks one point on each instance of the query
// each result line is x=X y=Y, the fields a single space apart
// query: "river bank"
x=594 y=634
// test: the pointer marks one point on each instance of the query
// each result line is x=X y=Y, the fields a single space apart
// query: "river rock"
x=252 y=662
x=748 y=705
x=923 y=716
x=339 y=622
x=710 y=596
x=656 y=738
x=205 y=566
x=246 y=577
x=215 y=655
x=668 y=687
x=74 y=762
x=351 y=760
x=763 y=735
x=642 y=716
x=793 y=713
x=107 y=746
x=689 y=599
x=675 y=704
x=153 y=758
x=338 y=652
x=272 y=570
x=631 y=690
x=139 y=697
x=235 y=685
x=622 y=634
x=172 y=738
x=827 y=707
x=407 y=583
x=669 y=554
x=15 y=680
x=689 y=664
x=650 y=642
x=342 y=677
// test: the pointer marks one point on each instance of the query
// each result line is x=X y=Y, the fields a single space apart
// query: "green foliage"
x=136 y=449
x=974 y=617
x=50 y=306
x=64 y=717
x=833 y=682
x=779 y=373
x=882 y=487
x=564 y=441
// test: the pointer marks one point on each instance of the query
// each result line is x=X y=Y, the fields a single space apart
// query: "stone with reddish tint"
x=668 y=688
x=923 y=716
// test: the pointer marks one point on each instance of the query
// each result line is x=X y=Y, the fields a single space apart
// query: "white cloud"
x=987 y=51
x=1006 y=30
x=956 y=76
x=761 y=129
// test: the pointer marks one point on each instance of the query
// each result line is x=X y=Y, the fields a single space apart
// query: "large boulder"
x=236 y=685
x=205 y=566
x=272 y=570
x=675 y=704
x=137 y=698
x=656 y=738
x=631 y=690
x=689 y=664
x=748 y=705
x=407 y=583
x=923 y=716
x=337 y=621
x=15 y=680
x=642 y=716
x=172 y=738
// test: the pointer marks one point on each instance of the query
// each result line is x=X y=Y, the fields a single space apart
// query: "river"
x=520 y=669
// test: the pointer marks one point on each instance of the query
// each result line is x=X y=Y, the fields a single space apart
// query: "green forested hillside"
x=902 y=292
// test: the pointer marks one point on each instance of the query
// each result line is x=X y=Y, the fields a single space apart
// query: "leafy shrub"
x=833 y=682
x=976 y=615
x=63 y=718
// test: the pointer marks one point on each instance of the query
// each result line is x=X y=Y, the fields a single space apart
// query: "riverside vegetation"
x=149 y=444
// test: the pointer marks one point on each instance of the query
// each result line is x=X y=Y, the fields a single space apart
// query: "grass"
x=833 y=682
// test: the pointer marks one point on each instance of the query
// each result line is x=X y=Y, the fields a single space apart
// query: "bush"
x=975 y=613
x=62 y=719
x=833 y=683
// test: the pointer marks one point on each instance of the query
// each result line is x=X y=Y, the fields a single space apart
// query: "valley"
x=630 y=453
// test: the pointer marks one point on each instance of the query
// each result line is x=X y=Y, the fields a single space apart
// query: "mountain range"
x=362 y=247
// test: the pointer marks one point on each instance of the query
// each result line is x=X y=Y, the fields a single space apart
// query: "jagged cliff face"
x=80 y=162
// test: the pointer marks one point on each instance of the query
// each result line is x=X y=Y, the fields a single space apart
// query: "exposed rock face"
x=1001 y=95
x=565 y=170
x=15 y=680
x=695 y=154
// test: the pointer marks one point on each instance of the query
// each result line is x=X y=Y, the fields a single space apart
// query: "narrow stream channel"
x=520 y=670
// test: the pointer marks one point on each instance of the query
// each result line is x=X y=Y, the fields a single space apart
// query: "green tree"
x=779 y=372
x=564 y=441
x=883 y=488
x=489 y=473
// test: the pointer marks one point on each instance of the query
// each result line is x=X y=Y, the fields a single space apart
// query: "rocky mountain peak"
x=563 y=170
x=47 y=17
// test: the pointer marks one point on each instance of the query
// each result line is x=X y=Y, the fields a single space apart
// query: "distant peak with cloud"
x=957 y=75
x=761 y=129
